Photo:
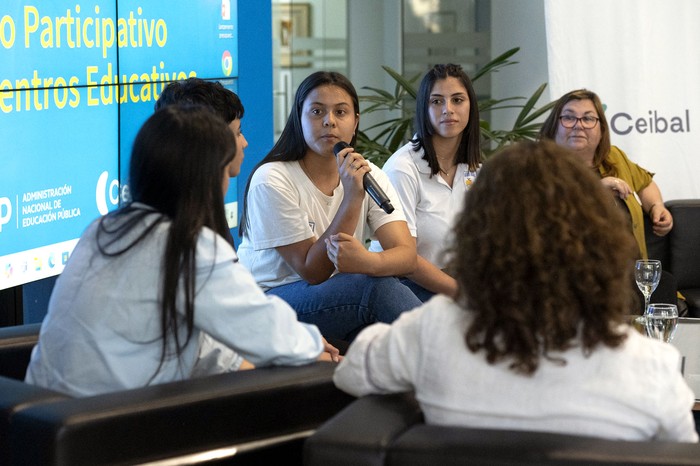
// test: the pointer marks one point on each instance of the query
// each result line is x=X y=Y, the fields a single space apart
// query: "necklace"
x=449 y=170
x=445 y=160
x=327 y=192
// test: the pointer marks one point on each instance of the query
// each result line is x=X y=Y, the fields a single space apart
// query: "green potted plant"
x=392 y=133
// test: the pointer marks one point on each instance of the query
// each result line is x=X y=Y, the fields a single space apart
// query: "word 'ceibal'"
x=624 y=123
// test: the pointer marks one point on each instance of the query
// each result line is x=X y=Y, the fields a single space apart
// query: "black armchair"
x=389 y=430
x=16 y=345
x=684 y=250
x=678 y=251
x=247 y=414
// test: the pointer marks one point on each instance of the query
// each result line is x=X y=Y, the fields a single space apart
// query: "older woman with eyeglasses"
x=578 y=122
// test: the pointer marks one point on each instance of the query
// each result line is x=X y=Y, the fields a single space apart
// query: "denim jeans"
x=422 y=294
x=346 y=303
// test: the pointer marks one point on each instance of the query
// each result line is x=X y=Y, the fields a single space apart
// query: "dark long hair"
x=469 y=150
x=551 y=124
x=176 y=171
x=291 y=144
x=542 y=258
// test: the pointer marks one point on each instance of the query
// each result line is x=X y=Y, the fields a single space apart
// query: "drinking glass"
x=661 y=321
x=647 y=273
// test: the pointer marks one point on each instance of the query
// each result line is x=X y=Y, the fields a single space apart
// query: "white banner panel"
x=642 y=57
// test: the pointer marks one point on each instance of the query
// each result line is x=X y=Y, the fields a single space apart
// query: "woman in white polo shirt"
x=434 y=170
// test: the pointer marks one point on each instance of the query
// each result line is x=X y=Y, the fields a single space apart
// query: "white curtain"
x=642 y=57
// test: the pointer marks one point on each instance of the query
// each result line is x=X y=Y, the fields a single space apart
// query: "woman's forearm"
x=649 y=196
x=430 y=277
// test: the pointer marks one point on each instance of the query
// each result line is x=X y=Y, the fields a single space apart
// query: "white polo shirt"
x=429 y=203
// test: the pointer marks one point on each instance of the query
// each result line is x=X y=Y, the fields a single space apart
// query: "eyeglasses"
x=569 y=121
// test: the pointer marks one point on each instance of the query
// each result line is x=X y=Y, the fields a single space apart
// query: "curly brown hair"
x=542 y=257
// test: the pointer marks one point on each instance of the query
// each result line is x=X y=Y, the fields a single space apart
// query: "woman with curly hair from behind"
x=537 y=338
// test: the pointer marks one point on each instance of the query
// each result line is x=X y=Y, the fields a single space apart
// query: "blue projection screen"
x=77 y=80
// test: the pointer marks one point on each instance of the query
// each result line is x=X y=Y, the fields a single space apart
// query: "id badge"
x=469 y=178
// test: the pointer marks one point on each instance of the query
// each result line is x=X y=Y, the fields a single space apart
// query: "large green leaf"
x=407 y=84
x=494 y=65
x=529 y=105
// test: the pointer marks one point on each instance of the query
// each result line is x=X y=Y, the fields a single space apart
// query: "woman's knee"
x=389 y=298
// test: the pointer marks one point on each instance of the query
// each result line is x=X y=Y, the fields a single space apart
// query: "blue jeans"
x=422 y=294
x=346 y=303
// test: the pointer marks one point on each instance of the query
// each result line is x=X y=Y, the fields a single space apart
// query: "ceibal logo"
x=227 y=63
x=104 y=196
x=5 y=211
x=655 y=122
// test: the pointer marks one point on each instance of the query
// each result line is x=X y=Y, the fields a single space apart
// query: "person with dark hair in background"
x=227 y=105
x=432 y=172
x=212 y=94
x=538 y=337
x=150 y=284
x=306 y=217
x=197 y=91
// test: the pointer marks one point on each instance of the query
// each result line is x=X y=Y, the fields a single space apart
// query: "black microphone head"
x=340 y=146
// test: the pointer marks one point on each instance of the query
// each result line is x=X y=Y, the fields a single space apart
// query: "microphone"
x=371 y=186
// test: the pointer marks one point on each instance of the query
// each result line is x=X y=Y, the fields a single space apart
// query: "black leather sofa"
x=246 y=416
x=679 y=251
x=389 y=430
x=16 y=345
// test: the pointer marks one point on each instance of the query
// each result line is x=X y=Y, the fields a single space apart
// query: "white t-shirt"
x=285 y=207
x=429 y=203
x=633 y=392
x=102 y=332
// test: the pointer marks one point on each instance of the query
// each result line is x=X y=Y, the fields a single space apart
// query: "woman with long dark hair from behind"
x=148 y=282
x=538 y=337
x=306 y=218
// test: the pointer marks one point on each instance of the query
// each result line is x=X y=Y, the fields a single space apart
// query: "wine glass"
x=661 y=321
x=647 y=273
